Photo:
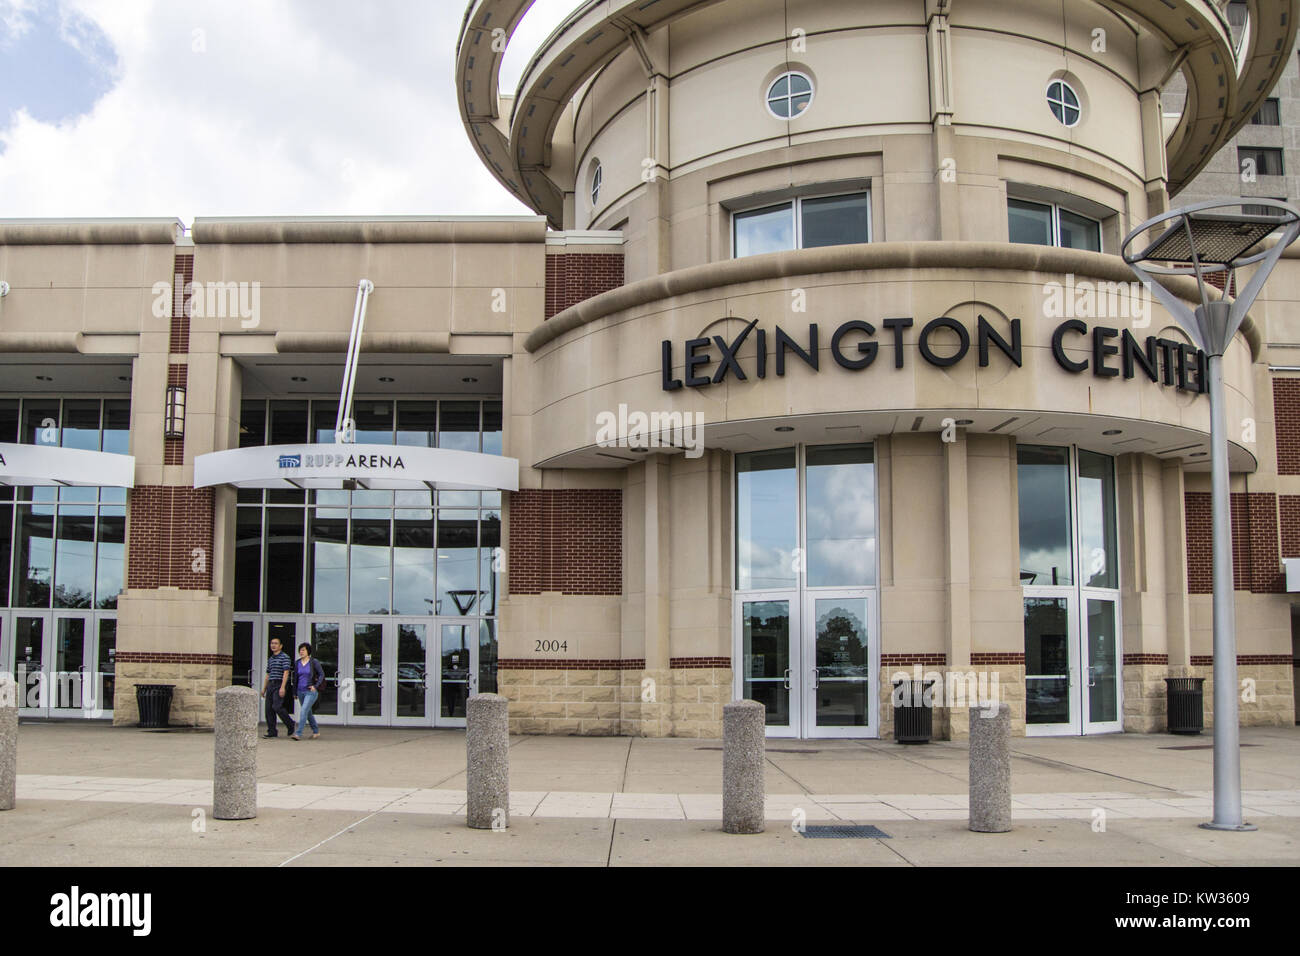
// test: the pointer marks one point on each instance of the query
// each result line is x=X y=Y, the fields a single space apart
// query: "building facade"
x=816 y=368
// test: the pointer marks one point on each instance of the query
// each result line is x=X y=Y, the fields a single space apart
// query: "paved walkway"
x=839 y=807
x=91 y=794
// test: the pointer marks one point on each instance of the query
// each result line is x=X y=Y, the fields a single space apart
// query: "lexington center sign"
x=856 y=345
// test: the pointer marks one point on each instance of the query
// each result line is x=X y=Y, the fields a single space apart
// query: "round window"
x=789 y=95
x=1064 y=102
x=597 y=177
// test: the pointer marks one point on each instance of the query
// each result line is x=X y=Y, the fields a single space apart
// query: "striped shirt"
x=276 y=665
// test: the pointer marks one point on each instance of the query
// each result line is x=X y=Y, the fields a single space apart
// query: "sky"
x=141 y=108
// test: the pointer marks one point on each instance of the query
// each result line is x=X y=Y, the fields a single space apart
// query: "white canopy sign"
x=29 y=465
x=379 y=467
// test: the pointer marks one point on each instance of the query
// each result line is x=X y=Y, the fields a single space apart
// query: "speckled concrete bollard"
x=743 y=733
x=990 y=769
x=487 y=752
x=234 y=781
x=8 y=742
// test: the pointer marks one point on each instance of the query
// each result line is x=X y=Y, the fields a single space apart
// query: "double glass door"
x=378 y=671
x=63 y=661
x=1072 y=671
x=810 y=662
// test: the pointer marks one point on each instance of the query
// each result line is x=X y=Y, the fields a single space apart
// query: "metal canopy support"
x=345 y=428
x=1200 y=242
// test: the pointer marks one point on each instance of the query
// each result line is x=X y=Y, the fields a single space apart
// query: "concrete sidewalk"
x=92 y=795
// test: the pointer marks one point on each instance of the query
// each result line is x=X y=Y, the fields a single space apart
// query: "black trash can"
x=155 y=703
x=913 y=711
x=1185 y=704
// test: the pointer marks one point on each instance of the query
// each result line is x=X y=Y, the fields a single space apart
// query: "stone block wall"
x=196 y=678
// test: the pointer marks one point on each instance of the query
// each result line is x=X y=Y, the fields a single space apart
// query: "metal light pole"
x=1197 y=240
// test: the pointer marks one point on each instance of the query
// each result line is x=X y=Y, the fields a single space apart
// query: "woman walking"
x=311 y=681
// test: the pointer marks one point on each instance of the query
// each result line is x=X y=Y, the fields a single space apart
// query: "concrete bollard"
x=990 y=769
x=8 y=742
x=487 y=753
x=742 y=766
x=234 y=782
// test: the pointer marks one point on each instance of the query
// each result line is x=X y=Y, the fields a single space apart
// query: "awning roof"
x=40 y=465
x=378 y=467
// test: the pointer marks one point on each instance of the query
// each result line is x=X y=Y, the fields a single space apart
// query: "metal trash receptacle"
x=154 y=702
x=1185 y=704
x=913 y=711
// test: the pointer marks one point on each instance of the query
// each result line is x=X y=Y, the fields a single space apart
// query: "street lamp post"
x=1201 y=240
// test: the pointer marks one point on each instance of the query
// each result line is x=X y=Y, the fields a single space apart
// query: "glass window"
x=110 y=556
x=764 y=230
x=487 y=657
x=374 y=422
x=6 y=555
x=80 y=425
x=835 y=220
x=458 y=591
x=1041 y=224
x=328 y=557
x=767 y=532
x=284 y=554
x=1064 y=103
x=324 y=416
x=252 y=424
x=459 y=426
x=840 y=485
x=74 y=567
x=491 y=428
x=413 y=562
x=1079 y=232
x=1046 y=554
x=790 y=95
x=489 y=542
x=117 y=426
x=1261 y=160
x=371 y=561
x=1097 y=520
x=289 y=423
x=33 y=555
x=1268 y=114
x=40 y=423
x=248 y=559
x=9 y=421
x=417 y=424
x=597 y=178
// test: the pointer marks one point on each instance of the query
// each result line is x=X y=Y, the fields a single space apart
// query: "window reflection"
x=841 y=516
x=1046 y=554
x=1097 y=520
x=767 y=532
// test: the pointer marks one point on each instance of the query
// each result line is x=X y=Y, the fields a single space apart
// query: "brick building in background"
x=855 y=437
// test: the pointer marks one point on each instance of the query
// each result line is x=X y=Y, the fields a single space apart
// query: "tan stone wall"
x=1274 y=694
x=601 y=703
x=1145 y=698
x=193 y=700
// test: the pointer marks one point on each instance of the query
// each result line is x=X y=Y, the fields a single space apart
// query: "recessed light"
x=44 y=378
x=297 y=378
x=965 y=421
x=387 y=378
x=1113 y=431
x=124 y=378
x=785 y=428
x=469 y=380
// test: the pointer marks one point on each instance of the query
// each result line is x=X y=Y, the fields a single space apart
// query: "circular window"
x=597 y=177
x=789 y=95
x=1064 y=102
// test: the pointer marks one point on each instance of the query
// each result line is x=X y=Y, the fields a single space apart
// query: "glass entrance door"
x=30 y=633
x=457 y=671
x=63 y=662
x=368 y=643
x=413 y=690
x=769 y=668
x=837 y=664
x=1068 y=570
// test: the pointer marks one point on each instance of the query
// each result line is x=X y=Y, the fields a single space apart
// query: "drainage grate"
x=843 y=831
x=1200 y=747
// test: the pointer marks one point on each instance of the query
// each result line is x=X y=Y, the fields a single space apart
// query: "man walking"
x=276 y=681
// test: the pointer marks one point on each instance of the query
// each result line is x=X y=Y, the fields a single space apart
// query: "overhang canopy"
x=371 y=467
x=41 y=465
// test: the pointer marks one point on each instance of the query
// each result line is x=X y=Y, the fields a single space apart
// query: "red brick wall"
x=575 y=277
x=182 y=276
x=1289 y=509
x=1286 y=422
x=167 y=524
x=1256 y=560
x=567 y=540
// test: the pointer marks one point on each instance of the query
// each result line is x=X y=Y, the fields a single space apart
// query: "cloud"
x=302 y=107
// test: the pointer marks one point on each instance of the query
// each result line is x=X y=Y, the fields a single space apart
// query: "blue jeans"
x=307 y=700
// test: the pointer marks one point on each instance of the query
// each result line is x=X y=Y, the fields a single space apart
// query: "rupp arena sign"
x=853 y=345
